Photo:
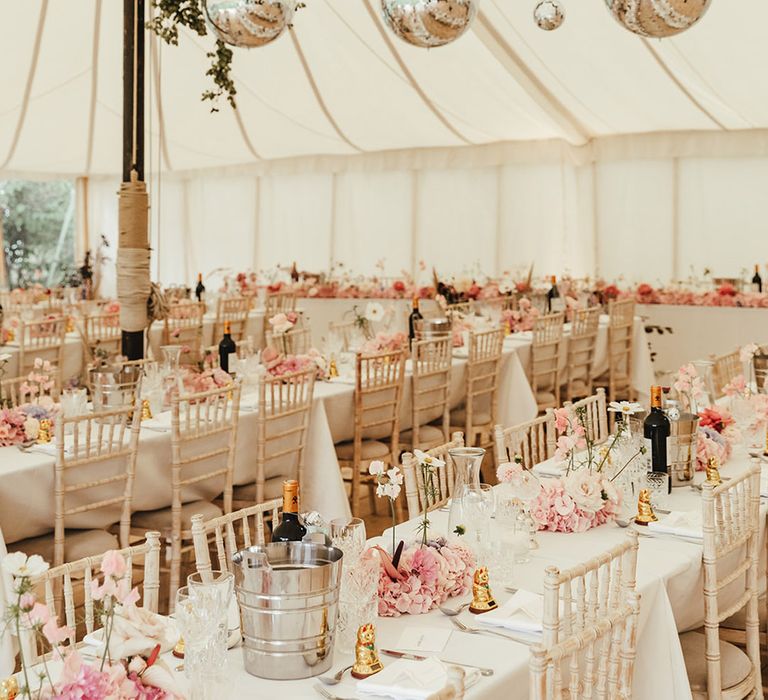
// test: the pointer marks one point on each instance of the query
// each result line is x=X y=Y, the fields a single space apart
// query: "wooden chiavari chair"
x=534 y=441
x=595 y=415
x=285 y=406
x=235 y=310
x=730 y=514
x=459 y=309
x=41 y=338
x=430 y=394
x=183 y=325
x=442 y=478
x=590 y=629
x=581 y=352
x=277 y=303
x=621 y=322
x=345 y=331
x=294 y=342
x=94 y=471
x=203 y=437
x=725 y=369
x=545 y=360
x=476 y=418
x=25 y=390
x=101 y=335
x=233 y=532
x=378 y=395
x=75 y=577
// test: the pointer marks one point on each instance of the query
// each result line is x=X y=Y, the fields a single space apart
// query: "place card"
x=424 y=639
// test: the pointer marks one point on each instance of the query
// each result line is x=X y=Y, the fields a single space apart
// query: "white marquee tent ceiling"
x=341 y=84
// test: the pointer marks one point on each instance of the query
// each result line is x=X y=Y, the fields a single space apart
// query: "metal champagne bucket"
x=760 y=366
x=288 y=593
x=113 y=387
x=430 y=328
x=681 y=449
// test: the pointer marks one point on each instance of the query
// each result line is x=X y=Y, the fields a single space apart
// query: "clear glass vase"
x=466 y=468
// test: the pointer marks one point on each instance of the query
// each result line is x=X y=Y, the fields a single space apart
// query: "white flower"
x=280 y=323
x=748 y=352
x=395 y=476
x=626 y=408
x=376 y=468
x=428 y=460
x=32 y=428
x=374 y=311
x=20 y=565
x=390 y=490
x=585 y=489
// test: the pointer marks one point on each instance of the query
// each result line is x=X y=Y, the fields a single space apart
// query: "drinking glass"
x=348 y=535
x=477 y=509
x=358 y=600
x=658 y=485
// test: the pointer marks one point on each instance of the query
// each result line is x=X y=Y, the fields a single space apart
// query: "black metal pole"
x=133 y=124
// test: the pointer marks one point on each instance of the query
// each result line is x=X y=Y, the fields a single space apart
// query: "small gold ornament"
x=482 y=598
x=713 y=472
x=11 y=335
x=44 y=434
x=645 y=512
x=9 y=688
x=367 y=660
x=333 y=370
x=146 y=411
x=178 y=650
x=70 y=324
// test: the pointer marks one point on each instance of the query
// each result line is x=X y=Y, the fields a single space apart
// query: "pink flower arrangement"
x=521 y=319
x=195 y=382
x=719 y=419
x=426 y=576
x=736 y=387
x=278 y=364
x=689 y=386
x=385 y=342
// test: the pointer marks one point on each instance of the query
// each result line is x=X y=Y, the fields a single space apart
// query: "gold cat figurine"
x=645 y=512
x=367 y=660
x=713 y=472
x=482 y=598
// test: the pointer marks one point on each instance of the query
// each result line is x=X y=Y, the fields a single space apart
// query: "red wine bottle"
x=656 y=431
x=415 y=316
x=200 y=288
x=554 y=300
x=290 y=529
x=757 y=281
x=227 y=347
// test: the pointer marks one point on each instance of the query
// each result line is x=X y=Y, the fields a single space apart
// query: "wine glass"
x=348 y=535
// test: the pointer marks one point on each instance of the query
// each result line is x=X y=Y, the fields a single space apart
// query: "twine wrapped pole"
x=133 y=282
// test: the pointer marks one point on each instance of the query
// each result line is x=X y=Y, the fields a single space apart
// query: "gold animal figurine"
x=713 y=472
x=146 y=411
x=645 y=512
x=333 y=370
x=9 y=688
x=178 y=650
x=44 y=434
x=367 y=660
x=482 y=598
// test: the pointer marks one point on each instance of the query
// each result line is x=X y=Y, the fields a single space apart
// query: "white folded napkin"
x=523 y=612
x=343 y=379
x=160 y=423
x=680 y=523
x=551 y=467
x=136 y=631
x=410 y=680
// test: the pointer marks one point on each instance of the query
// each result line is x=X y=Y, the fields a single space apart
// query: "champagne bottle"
x=554 y=300
x=200 y=288
x=415 y=316
x=227 y=347
x=290 y=529
x=656 y=430
x=757 y=281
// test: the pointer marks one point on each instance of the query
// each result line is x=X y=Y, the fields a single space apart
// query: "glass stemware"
x=466 y=467
x=348 y=535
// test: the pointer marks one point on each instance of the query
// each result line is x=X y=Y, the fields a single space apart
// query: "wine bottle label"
x=557 y=304
x=231 y=360
x=649 y=454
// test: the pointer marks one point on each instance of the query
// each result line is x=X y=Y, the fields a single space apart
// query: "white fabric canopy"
x=511 y=145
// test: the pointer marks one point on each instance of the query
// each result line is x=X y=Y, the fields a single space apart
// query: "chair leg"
x=175 y=571
x=372 y=497
x=354 y=493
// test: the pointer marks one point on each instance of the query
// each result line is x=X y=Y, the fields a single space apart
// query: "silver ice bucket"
x=288 y=593
x=429 y=328
x=681 y=446
x=760 y=367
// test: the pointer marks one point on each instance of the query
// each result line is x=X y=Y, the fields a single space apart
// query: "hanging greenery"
x=170 y=14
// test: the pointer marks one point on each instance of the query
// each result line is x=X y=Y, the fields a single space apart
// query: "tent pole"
x=133 y=282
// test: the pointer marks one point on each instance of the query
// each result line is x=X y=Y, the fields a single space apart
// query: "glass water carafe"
x=466 y=467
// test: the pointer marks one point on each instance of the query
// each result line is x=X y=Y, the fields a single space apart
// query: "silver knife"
x=416 y=657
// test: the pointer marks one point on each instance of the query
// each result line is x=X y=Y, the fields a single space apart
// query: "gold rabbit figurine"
x=44 y=433
x=146 y=411
x=713 y=472
x=645 y=512
x=482 y=598
x=367 y=660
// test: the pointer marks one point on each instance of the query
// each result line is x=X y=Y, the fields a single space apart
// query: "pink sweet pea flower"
x=55 y=634
x=113 y=564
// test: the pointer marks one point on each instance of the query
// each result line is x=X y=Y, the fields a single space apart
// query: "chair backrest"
x=235 y=310
x=595 y=415
x=441 y=483
x=102 y=334
x=378 y=394
x=183 y=325
x=41 y=338
x=430 y=384
x=538 y=299
x=590 y=628
x=545 y=353
x=482 y=377
x=95 y=468
x=621 y=321
x=731 y=526
x=534 y=441
x=294 y=342
x=31 y=387
x=725 y=369
x=581 y=347
x=232 y=532
x=345 y=330
x=278 y=302
x=461 y=308
x=285 y=405
x=86 y=570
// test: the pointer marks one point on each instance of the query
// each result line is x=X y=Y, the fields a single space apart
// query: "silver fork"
x=476 y=630
x=328 y=695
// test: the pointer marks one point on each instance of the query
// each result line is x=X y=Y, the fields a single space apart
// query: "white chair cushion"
x=78 y=544
x=369 y=449
x=161 y=519
x=429 y=436
x=735 y=665
x=459 y=417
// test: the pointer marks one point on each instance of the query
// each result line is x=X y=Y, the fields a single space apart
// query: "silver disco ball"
x=549 y=14
x=429 y=23
x=657 y=18
x=249 y=23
